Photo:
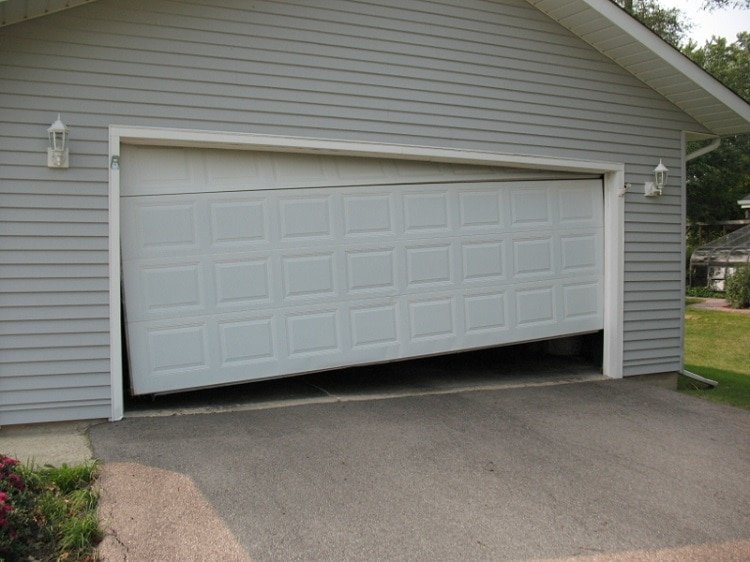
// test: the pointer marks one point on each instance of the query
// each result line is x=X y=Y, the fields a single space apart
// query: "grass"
x=55 y=516
x=717 y=346
x=693 y=300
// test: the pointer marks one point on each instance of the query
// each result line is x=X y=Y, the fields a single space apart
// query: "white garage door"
x=241 y=266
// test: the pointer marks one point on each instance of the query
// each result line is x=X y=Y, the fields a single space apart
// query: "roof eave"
x=16 y=11
x=667 y=70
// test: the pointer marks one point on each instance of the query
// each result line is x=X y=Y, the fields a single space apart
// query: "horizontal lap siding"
x=495 y=76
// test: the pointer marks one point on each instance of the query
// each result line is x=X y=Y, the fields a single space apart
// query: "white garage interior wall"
x=243 y=265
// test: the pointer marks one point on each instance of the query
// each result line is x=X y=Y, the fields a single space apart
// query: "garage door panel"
x=238 y=222
x=426 y=212
x=368 y=215
x=483 y=260
x=371 y=270
x=243 y=282
x=582 y=300
x=245 y=285
x=482 y=209
x=530 y=207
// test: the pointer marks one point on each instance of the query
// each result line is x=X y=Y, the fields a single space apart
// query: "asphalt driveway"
x=612 y=468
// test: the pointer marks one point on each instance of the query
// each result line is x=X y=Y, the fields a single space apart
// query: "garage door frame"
x=613 y=177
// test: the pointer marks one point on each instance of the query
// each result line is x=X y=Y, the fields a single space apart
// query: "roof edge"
x=640 y=33
x=38 y=10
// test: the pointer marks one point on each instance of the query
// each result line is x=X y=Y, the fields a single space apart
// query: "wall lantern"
x=653 y=189
x=57 y=151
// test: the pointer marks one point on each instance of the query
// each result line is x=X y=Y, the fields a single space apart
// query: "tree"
x=669 y=23
x=728 y=62
x=717 y=180
x=711 y=5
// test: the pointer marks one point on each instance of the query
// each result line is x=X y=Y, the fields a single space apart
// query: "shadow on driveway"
x=515 y=474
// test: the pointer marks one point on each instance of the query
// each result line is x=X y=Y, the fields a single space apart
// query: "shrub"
x=738 y=288
x=17 y=525
x=47 y=513
x=704 y=293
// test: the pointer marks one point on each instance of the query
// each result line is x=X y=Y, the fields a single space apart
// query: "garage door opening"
x=242 y=266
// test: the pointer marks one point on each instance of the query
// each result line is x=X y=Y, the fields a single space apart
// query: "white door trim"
x=614 y=211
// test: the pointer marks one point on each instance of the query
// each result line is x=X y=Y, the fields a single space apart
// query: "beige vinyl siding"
x=495 y=76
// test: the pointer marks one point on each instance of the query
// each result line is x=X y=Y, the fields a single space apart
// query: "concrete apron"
x=606 y=470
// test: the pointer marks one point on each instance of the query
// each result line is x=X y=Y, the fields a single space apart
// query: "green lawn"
x=717 y=346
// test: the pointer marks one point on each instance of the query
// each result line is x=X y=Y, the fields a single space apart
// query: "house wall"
x=478 y=75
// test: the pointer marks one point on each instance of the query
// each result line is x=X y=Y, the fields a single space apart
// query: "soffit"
x=622 y=38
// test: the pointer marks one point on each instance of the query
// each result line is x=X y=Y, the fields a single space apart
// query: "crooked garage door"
x=248 y=265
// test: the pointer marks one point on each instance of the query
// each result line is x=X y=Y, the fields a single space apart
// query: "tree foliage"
x=716 y=181
x=669 y=23
x=718 y=4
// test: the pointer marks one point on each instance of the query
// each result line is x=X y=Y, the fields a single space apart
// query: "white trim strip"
x=115 y=298
x=614 y=211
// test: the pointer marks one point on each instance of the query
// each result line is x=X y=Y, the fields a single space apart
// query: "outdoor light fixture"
x=57 y=151
x=654 y=188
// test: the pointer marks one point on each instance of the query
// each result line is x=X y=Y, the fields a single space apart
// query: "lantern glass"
x=661 y=172
x=57 y=151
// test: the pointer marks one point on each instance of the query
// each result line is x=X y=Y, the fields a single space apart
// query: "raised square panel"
x=578 y=252
x=425 y=211
x=177 y=348
x=581 y=300
x=577 y=204
x=529 y=206
x=483 y=260
x=367 y=214
x=237 y=222
x=167 y=225
x=308 y=275
x=428 y=264
x=241 y=281
x=246 y=341
x=535 y=305
x=532 y=257
x=374 y=325
x=480 y=209
x=370 y=270
x=485 y=312
x=432 y=318
x=312 y=332
x=172 y=287
x=305 y=217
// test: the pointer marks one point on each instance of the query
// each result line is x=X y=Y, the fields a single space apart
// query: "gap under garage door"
x=240 y=266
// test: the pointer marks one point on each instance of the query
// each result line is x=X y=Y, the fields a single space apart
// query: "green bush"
x=738 y=288
x=704 y=293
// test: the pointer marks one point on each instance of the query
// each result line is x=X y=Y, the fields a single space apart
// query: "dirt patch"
x=719 y=304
